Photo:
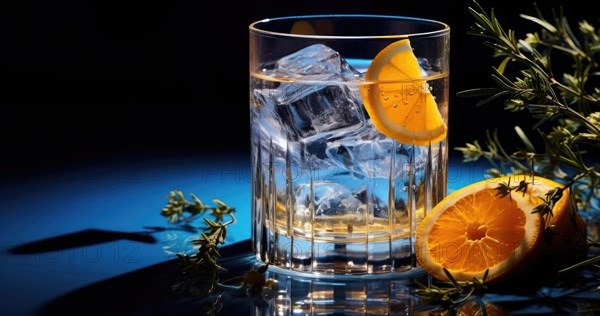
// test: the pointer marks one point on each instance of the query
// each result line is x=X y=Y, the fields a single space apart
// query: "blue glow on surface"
x=124 y=197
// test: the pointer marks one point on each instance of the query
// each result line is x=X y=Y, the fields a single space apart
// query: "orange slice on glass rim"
x=398 y=100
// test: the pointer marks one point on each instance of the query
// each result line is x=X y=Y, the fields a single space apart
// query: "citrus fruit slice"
x=398 y=100
x=475 y=229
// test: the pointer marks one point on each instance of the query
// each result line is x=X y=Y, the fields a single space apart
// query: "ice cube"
x=313 y=109
x=267 y=125
x=376 y=205
x=316 y=62
x=323 y=111
x=273 y=127
x=317 y=104
x=329 y=199
x=371 y=156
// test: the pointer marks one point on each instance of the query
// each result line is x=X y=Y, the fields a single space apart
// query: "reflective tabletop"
x=89 y=238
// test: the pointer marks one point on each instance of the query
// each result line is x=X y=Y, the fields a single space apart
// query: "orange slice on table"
x=398 y=101
x=474 y=229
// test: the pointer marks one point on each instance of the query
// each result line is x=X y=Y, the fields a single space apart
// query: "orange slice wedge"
x=474 y=229
x=398 y=101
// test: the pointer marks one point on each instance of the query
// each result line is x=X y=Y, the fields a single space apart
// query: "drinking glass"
x=332 y=192
x=356 y=296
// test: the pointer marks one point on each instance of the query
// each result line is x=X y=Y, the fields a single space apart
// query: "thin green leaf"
x=451 y=278
x=503 y=64
x=528 y=145
x=540 y=22
x=220 y=203
x=420 y=285
x=545 y=120
x=478 y=92
x=498 y=48
x=581 y=264
x=570 y=35
x=491 y=98
x=211 y=223
x=502 y=83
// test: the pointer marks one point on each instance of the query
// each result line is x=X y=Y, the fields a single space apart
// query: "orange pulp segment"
x=398 y=101
x=477 y=235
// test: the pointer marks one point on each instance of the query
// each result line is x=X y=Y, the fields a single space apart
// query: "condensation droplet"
x=395 y=105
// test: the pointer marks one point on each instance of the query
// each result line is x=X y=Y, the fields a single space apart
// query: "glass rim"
x=443 y=30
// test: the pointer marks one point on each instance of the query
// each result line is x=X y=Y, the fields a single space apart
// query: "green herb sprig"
x=456 y=293
x=550 y=198
x=200 y=270
x=570 y=113
x=565 y=112
x=179 y=209
x=504 y=189
x=563 y=103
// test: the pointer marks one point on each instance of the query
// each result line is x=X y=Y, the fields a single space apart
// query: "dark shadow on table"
x=149 y=292
x=89 y=237
x=83 y=238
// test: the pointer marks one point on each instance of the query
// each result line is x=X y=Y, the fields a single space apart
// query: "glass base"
x=407 y=275
x=303 y=293
x=334 y=257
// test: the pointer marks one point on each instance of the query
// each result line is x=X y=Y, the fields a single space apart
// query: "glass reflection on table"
x=302 y=294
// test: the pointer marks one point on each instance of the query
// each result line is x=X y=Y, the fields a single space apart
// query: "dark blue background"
x=97 y=78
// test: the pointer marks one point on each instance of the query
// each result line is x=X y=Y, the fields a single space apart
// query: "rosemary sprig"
x=504 y=189
x=177 y=207
x=569 y=113
x=565 y=103
x=550 y=198
x=456 y=293
x=564 y=106
x=200 y=271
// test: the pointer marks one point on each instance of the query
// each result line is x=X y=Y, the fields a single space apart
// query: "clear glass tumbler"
x=349 y=119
